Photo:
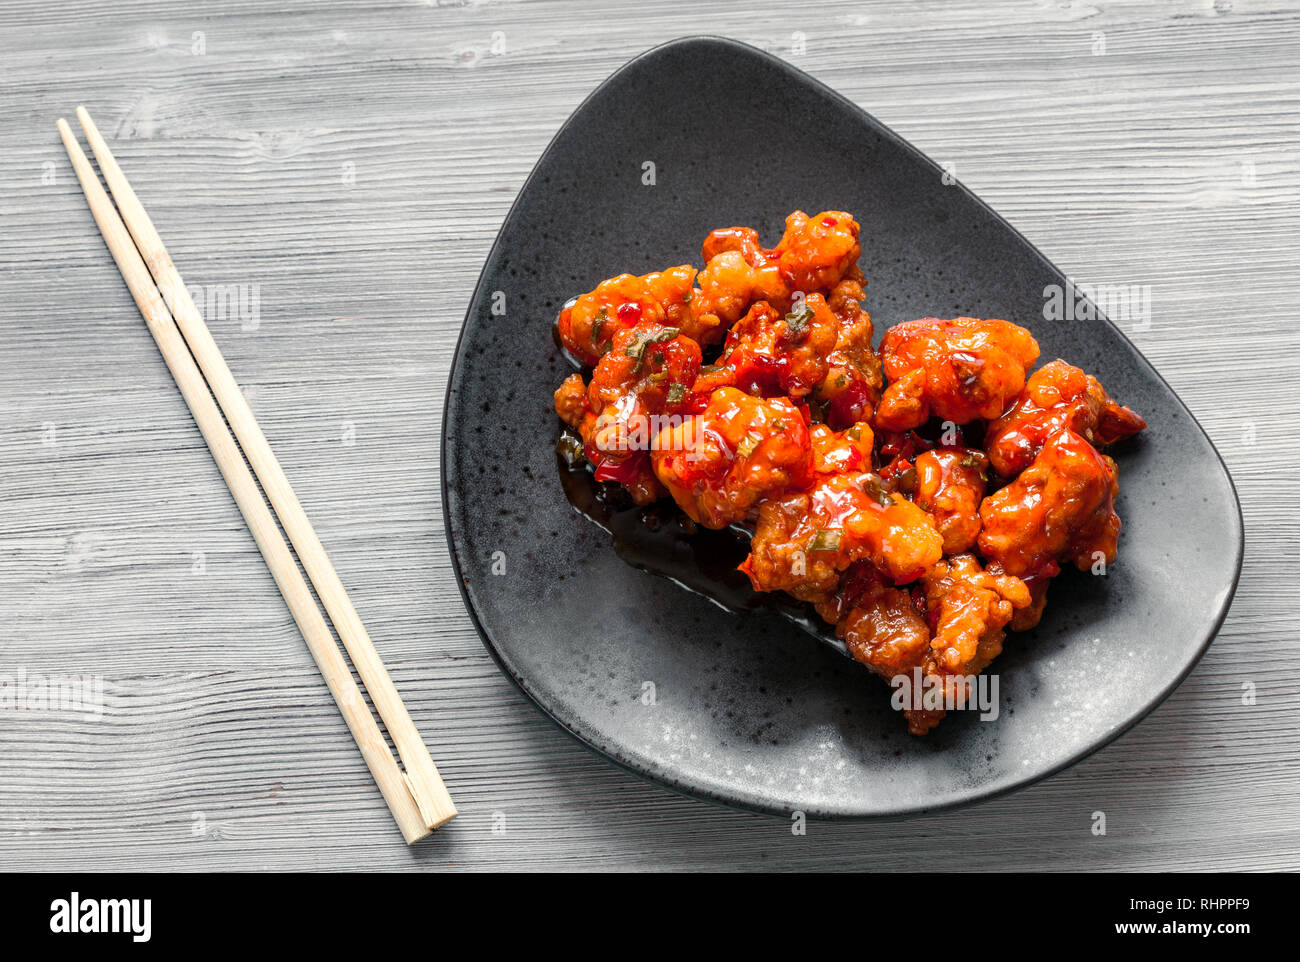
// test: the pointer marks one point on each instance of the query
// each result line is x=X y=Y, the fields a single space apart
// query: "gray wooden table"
x=332 y=178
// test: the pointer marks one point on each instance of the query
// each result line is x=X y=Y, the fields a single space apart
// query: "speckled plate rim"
x=665 y=779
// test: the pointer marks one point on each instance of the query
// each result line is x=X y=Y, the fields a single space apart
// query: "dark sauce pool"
x=660 y=539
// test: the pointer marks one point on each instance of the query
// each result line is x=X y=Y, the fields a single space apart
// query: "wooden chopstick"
x=425 y=784
x=417 y=798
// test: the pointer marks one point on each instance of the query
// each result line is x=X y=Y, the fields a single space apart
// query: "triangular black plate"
x=749 y=711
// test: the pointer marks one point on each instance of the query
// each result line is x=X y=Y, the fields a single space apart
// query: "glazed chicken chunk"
x=880 y=624
x=967 y=609
x=1058 y=396
x=851 y=388
x=804 y=538
x=770 y=354
x=717 y=464
x=644 y=375
x=586 y=327
x=957 y=370
x=950 y=485
x=1061 y=508
x=814 y=254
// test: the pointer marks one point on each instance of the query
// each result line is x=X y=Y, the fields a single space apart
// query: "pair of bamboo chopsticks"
x=417 y=797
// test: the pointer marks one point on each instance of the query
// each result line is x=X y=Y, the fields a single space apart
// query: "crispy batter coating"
x=586 y=327
x=728 y=286
x=743 y=240
x=968 y=607
x=770 y=354
x=958 y=370
x=898 y=537
x=719 y=463
x=836 y=452
x=1060 y=508
x=803 y=538
x=814 y=254
x=1057 y=396
x=879 y=623
x=674 y=289
x=645 y=375
x=851 y=388
x=950 y=484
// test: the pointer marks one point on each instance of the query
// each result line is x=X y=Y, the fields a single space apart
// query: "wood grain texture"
x=355 y=163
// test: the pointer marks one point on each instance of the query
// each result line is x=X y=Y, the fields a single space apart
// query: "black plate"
x=749 y=710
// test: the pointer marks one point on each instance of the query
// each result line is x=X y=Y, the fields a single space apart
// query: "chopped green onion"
x=570 y=448
x=826 y=539
x=907 y=481
x=643 y=340
x=748 y=443
x=797 y=320
x=875 y=490
x=676 y=393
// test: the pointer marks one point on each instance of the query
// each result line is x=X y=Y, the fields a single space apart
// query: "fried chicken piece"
x=743 y=240
x=880 y=625
x=958 y=370
x=804 y=538
x=662 y=299
x=1060 y=508
x=1057 y=396
x=587 y=326
x=835 y=452
x=650 y=364
x=814 y=255
x=851 y=388
x=729 y=285
x=674 y=289
x=768 y=354
x=646 y=374
x=950 y=484
x=798 y=544
x=821 y=347
x=968 y=607
x=967 y=610
x=719 y=463
x=631 y=469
